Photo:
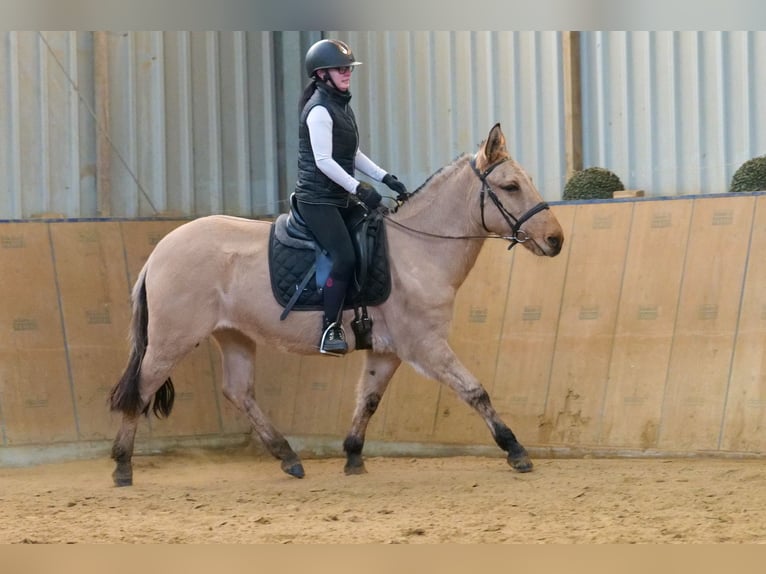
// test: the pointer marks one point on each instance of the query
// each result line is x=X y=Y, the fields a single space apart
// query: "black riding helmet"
x=328 y=54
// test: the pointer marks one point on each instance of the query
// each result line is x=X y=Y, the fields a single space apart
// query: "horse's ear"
x=494 y=147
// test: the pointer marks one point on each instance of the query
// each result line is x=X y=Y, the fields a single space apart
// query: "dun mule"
x=211 y=277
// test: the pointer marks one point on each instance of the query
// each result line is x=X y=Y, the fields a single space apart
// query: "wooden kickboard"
x=35 y=388
x=318 y=396
x=277 y=386
x=95 y=301
x=529 y=334
x=475 y=337
x=412 y=400
x=745 y=417
x=701 y=356
x=645 y=324
x=587 y=318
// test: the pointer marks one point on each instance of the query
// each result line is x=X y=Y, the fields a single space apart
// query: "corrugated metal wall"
x=180 y=123
x=191 y=123
x=673 y=113
x=422 y=98
x=133 y=124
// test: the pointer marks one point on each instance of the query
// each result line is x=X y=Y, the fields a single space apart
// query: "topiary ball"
x=592 y=183
x=751 y=175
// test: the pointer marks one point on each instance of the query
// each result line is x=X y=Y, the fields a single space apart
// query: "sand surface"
x=234 y=496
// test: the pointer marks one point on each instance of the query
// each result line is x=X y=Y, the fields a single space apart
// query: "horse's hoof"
x=521 y=463
x=123 y=481
x=123 y=474
x=295 y=470
x=356 y=469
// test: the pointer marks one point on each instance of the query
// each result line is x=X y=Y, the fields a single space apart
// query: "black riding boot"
x=333 y=340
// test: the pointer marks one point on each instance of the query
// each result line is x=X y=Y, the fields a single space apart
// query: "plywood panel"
x=197 y=392
x=318 y=395
x=707 y=315
x=35 y=388
x=95 y=301
x=587 y=320
x=475 y=337
x=645 y=323
x=529 y=335
x=745 y=417
x=412 y=400
x=277 y=379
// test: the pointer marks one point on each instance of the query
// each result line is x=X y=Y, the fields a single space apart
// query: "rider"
x=328 y=155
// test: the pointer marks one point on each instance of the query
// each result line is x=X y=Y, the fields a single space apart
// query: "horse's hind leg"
x=238 y=354
x=376 y=374
x=122 y=451
x=439 y=362
x=152 y=375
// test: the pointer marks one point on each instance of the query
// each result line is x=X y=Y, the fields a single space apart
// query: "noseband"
x=514 y=223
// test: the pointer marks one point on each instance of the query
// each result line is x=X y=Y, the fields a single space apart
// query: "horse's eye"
x=510 y=186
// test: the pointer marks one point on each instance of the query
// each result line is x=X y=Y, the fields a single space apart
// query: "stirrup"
x=333 y=341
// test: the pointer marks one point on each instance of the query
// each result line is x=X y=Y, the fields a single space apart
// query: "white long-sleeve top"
x=319 y=124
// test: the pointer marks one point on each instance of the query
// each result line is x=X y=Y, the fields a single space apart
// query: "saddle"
x=295 y=258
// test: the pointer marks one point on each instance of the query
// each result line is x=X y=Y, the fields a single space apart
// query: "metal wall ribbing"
x=135 y=124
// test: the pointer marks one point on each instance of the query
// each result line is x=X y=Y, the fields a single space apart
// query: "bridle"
x=514 y=223
x=517 y=235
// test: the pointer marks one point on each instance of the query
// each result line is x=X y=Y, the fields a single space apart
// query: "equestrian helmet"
x=328 y=54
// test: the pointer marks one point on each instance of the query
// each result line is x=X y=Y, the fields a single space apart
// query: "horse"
x=210 y=278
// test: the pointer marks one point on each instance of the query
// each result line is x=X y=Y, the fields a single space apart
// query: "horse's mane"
x=440 y=171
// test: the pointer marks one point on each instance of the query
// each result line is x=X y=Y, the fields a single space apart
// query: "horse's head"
x=511 y=206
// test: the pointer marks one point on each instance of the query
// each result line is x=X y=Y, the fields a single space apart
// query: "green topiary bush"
x=751 y=175
x=592 y=183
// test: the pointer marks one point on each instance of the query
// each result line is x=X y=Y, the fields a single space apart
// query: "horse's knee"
x=371 y=404
x=478 y=398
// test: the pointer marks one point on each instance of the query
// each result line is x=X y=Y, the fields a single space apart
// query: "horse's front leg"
x=373 y=381
x=439 y=361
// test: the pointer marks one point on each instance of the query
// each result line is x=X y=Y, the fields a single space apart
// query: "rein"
x=518 y=235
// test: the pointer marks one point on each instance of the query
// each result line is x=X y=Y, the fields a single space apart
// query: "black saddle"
x=295 y=258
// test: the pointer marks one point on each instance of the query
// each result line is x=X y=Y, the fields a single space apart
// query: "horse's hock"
x=645 y=336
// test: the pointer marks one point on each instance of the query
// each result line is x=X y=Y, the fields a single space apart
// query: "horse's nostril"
x=554 y=240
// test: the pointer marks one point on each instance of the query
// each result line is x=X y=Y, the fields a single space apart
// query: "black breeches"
x=328 y=225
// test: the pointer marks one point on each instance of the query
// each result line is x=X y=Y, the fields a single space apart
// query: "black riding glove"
x=367 y=195
x=397 y=186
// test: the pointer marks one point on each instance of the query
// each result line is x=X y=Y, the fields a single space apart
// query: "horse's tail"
x=125 y=395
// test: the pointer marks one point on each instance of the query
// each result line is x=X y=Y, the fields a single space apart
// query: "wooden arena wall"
x=645 y=335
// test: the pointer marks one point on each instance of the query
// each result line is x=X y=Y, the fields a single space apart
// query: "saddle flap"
x=290 y=257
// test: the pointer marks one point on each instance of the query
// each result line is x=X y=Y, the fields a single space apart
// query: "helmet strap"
x=327 y=78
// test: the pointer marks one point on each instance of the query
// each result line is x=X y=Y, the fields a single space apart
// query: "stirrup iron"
x=330 y=345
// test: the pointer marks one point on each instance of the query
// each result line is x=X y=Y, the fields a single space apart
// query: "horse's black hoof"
x=295 y=470
x=355 y=469
x=521 y=463
x=123 y=474
x=123 y=481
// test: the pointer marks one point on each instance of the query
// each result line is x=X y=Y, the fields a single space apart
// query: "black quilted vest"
x=314 y=186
